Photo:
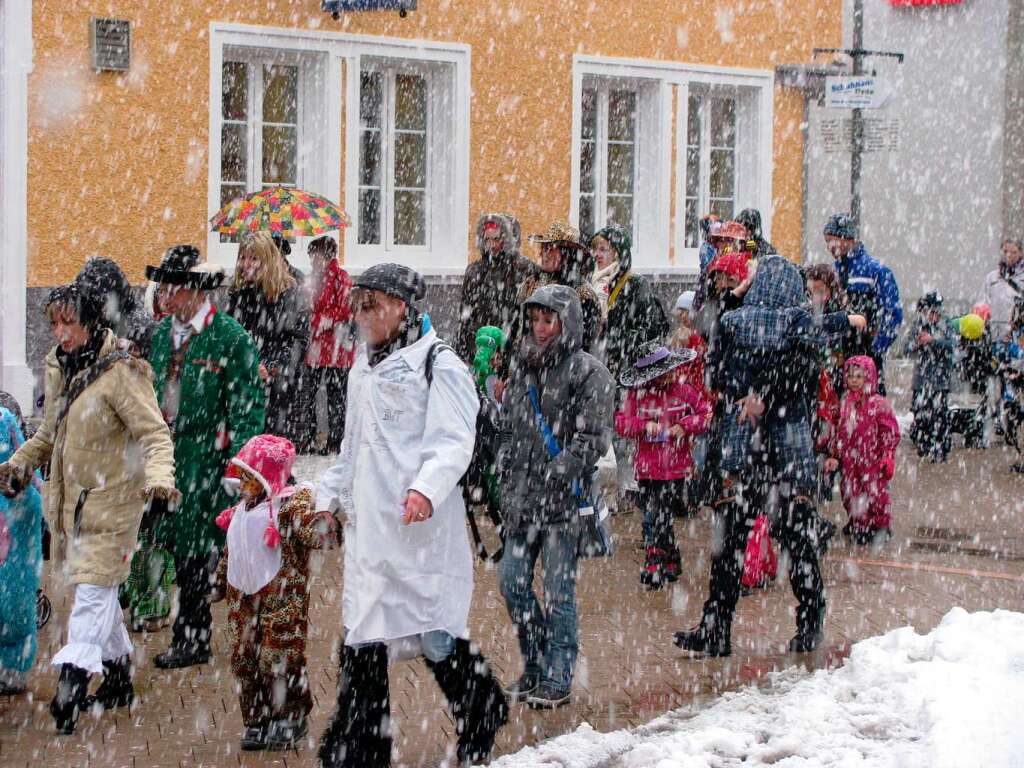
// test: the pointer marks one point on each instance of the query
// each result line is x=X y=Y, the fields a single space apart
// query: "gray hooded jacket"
x=576 y=396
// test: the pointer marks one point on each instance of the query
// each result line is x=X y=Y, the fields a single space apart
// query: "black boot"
x=809 y=635
x=358 y=735
x=797 y=537
x=69 y=700
x=478 y=705
x=708 y=637
x=116 y=690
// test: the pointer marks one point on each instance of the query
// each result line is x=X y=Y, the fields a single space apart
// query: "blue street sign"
x=349 y=6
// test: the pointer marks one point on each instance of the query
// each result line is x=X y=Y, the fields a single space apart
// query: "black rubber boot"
x=358 y=735
x=116 y=690
x=478 y=705
x=810 y=621
x=69 y=700
x=710 y=638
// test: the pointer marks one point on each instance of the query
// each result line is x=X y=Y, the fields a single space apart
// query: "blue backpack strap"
x=550 y=441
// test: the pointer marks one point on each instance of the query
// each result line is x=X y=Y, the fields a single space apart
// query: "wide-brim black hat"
x=181 y=266
x=653 y=360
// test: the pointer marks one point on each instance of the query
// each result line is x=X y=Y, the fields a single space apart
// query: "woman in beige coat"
x=108 y=450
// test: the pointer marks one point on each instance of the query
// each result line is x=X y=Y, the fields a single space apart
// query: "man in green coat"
x=206 y=376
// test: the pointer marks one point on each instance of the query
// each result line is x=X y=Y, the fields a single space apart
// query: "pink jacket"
x=866 y=436
x=663 y=457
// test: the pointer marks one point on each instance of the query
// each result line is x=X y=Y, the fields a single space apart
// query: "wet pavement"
x=958 y=542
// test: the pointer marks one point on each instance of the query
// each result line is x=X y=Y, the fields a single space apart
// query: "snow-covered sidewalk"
x=952 y=698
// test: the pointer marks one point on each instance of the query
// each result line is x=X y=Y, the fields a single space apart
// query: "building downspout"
x=1013 y=124
x=16 y=63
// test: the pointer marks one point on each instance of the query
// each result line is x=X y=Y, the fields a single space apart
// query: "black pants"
x=191 y=630
x=931 y=430
x=879 y=361
x=660 y=500
x=794 y=530
x=359 y=734
x=336 y=381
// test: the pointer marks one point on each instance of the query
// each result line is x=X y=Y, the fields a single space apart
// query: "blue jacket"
x=872 y=291
x=19 y=574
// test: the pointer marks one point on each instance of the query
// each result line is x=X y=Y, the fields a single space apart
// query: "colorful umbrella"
x=282 y=210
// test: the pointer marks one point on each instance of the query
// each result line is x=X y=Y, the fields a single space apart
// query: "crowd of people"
x=170 y=429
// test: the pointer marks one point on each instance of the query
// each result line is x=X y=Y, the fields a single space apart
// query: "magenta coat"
x=865 y=445
x=663 y=457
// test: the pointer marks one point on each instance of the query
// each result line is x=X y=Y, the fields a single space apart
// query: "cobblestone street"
x=958 y=543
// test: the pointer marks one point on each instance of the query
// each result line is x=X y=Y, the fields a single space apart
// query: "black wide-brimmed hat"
x=654 y=359
x=181 y=266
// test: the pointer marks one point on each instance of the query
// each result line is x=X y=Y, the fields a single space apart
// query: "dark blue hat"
x=841 y=225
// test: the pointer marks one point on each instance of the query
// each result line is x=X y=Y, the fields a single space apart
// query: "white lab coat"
x=402 y=434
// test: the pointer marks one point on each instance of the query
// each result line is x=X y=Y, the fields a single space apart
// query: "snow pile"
x=952 y=698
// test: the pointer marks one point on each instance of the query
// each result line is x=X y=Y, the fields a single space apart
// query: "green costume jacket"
x=221 y=406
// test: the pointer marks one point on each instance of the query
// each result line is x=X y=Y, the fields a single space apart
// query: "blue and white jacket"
x=872 y=290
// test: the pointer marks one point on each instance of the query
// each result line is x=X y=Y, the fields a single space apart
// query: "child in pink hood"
x=264 y=573
x=864 y=447
x=663 y=413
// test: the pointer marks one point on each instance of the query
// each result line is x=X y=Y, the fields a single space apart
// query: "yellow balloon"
x=972 y=327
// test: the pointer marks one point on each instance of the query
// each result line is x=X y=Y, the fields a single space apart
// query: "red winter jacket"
x=332 y=343
x=865 y=444
x=827 y=412
x=678 y=403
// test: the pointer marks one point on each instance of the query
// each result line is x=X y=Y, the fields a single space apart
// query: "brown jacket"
x=110 y=448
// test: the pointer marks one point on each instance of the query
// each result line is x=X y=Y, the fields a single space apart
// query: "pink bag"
x=760 y=564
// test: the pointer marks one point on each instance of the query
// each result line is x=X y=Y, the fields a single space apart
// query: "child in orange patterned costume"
x=264 y=573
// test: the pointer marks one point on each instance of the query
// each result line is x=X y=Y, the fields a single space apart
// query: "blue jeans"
x=548 y=635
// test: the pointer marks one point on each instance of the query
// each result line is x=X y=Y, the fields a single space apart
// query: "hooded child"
x=864 y=449
x=264 y=574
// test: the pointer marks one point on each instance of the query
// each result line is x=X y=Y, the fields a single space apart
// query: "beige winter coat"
x=111 y=447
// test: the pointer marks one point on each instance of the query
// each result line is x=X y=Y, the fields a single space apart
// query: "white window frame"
x=604 y=87
x=255 y=59
x=658 y=234
x=391 y=68
x=333 y=99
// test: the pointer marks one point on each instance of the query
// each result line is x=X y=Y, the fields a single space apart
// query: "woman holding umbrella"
x=265 y=299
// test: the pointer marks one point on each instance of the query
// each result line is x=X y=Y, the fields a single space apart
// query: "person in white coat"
x=1003 y=288
x=408 y=565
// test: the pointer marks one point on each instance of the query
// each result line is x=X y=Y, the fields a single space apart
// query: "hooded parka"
x=576 y=396
x=635 y=316
x=865 y=445
x=490 y=287
x=111 y=447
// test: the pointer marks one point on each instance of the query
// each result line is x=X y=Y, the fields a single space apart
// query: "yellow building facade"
x=649 y=114
x=126 y=159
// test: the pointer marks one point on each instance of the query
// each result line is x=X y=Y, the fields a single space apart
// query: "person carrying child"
x=930 y=344
x=864 y=448
x=264 y=574
x=662 y=412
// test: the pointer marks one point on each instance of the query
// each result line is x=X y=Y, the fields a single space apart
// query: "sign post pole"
x=857 y=122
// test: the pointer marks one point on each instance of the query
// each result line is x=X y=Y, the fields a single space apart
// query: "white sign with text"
x=856 y=92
